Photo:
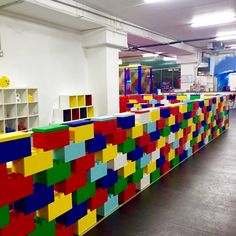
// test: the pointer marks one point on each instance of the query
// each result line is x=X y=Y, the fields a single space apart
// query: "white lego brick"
x=118 y=162
x=144 y=182
x=155 y=155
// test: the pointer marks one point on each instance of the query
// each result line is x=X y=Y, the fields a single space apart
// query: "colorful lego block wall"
x=73 y=175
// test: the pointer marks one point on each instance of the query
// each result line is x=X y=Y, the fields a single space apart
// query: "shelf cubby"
x=67 y=115
x=33 y=109
x=10 y=125
x=83 y=112
x=1 y=112
x=22 y=110
x=10 y=111
x=75 y=114
x=88 y=100
x=81 y=101
x=73 y=101
x=90 y=112
x=33 y=122
x=21 y=96
x=32 y=93
x=22 y=124
x=9 y=96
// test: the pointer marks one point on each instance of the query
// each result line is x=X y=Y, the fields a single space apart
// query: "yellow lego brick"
x=37 y=162
x=107 y=154
x=209 y=120
x=181 y=97
x=193 y=127
x=199 y=138
x=136 y=131
x=133 y=101
x=190 y=137
x=171 y=155
x=62 y=203
x=147 y=97
x=208 y=132
x=161 y=142
x=86 y=222
x=190 y=122
x=201 y=117
x=206 y=102
x=128 y=170
x=170 y=121
x=214 y=123
x=151 y=167
x=179 y=134
x=13 y=136
x=183 y=108
x=154 y=115
x=210 y=113
x=81 y=133
x=138 y=106
x=217 y=132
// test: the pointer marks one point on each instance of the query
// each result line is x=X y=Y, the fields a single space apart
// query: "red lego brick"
x=83 y=164
x=20 y=224
x=105 y=127
x=187 y=131
x=195 y=147
x=195 y=105
x=15 y=187
x=179 y=117
x=98 y=199
x=161 y=123
x=151 y=147
x=183 y=140
x=128 y=193
x=52 y=140
x=193 y=113
x=199 y=125
x=165 y=150
x=143 y=140
x=204 y=135
x=210 y=126
x=117 y=137
x=165 y=168
x=72 y=184
x=174 y=110
x=62 y=230
x=3 y=172
x=179 y=150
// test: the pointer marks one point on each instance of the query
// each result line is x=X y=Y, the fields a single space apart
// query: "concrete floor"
x=196 y=199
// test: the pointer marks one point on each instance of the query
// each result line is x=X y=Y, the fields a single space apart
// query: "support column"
x=102 y=50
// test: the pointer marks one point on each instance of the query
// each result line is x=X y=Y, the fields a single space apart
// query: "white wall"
x=49 y=59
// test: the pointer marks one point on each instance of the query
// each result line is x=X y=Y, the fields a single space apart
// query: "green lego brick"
x=4 y=216
x=50 y=128
x=59 y=172
x=175 y=162
x=206 y=127
x=119 y=187
x=155 y=175
x=193 y=142
x=43 y=227
x=212 y=119
x=184 y=124
x=166 y=131
x=127 y=146
x=195 y=97
x=84 y=193
x=195 y=119
x=221 y=115
x=137 y=176
x=189 y=106
x=210 y=138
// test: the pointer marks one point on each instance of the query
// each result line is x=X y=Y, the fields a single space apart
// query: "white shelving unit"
x=18 y=109
x=73 y=107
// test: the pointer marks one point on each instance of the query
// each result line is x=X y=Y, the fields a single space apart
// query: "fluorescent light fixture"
x=226 y=36
x=134 y=65
x=170 y=58
x=154 y=1
x=233 y=46
x=146 y=55
x=211 y=19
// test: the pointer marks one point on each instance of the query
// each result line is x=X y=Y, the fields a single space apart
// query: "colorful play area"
x=114 y=124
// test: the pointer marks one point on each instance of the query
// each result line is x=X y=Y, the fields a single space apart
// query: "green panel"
x=195 y=97
x=155 y=175
x=58 y=173
x=119 y=187
x=136 y=177
x=50 y=128
x=166 y=131
x=84 y=193
x=44 y=228
x=127 y=146
x=4 y=216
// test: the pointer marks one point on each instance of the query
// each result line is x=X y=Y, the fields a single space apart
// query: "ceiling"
x=171 y=18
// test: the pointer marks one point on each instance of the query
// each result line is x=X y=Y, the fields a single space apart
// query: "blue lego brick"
x=97 y=172
x=175 y=128
x=14 y=150
x=109 y=180
x=129 y=105
x=73 y=215
x=165 y=112
x=195 y=133
x=79 y=123
x=189 y=152
x=159 y=105
x=187 y=115
x=214 y=100
x=203 y=122
x=175 y=144
x=126 y=122
x=144 y=105
x=144 y=161
x=41 y=197
x=111 y=205
x=150 y=127
x=96 y=144
x=218 y=121
x=154 y=136
x=208 y=108
x=136 y=154
x=70 y=152
x=161 y=161
x=171 y=97
x=201 y=144
x=183 y=155
x=201 y=104
x=221 y=99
